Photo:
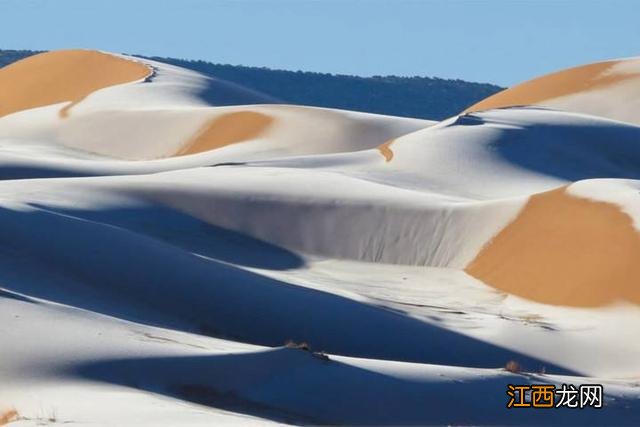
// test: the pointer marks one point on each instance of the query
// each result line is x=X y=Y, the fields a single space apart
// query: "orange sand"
x=550 y=86
x=564 y=250
x=59 y=76
x=8 y=416
x=385 y=150
x=227 y=129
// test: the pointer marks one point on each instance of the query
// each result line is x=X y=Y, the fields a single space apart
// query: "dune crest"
x=554 y=85
x=63 y=76
x=609 y=89
x=564 y=250
x=227 y=129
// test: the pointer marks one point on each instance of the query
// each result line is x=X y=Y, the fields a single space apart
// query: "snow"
x=154 y=119
x=140 y=288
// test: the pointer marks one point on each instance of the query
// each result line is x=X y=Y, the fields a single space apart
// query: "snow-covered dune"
x=158 y=111
x=159 y=246
x=64 y=77
x=608 y=89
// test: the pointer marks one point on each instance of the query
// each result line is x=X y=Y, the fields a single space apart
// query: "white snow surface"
x=154 y=119
x=619 y=100
x=137 y=289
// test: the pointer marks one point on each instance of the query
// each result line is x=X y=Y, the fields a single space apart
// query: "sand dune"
x=610 y=89
x=162 y=240
x=564 y=250
x=555 y=85
x=63 y=76
x=227 y=129
x=173 y=112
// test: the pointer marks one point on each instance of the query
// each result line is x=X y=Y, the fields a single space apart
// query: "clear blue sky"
x=494 y=41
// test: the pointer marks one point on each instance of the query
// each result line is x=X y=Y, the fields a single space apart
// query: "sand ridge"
x=63 y=76
x=555 y=85
x=227 y=129
x=564 y=250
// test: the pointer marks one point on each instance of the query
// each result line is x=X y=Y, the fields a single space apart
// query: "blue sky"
x=502 y=42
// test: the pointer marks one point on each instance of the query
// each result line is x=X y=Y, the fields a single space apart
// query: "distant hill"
x=9 y=56
x=421 y=97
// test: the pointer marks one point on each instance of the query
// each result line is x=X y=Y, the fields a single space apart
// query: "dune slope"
x=159 y=249
x=566 y=250
x=131 y=108
x=609 y=89
x=63 y=76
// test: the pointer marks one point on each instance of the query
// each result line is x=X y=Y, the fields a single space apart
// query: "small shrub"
x=321 y=355
x=513 y=367
x=300 y=346
x=305 y=347
x=8 y=416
